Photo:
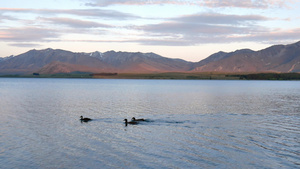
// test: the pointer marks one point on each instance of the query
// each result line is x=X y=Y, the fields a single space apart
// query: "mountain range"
x=277 y=58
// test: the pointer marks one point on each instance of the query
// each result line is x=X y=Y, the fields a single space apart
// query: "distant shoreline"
x=169 y=75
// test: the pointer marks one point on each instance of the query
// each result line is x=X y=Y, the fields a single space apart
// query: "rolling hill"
x=277 y=58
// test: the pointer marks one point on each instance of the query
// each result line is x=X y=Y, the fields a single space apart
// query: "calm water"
x=191 y=124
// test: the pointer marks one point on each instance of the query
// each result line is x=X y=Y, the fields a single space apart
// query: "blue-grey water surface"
x=191 y=123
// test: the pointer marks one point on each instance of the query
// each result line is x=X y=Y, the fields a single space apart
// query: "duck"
x=85 y=119
x=134 y=119
x=129 y=122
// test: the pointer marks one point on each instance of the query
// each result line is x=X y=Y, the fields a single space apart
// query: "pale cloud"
x=217 y=18
x=200 y=28
x=25 y=45
x=274 y=35
x=6 y=17
x=44 y=28
x=180 y=31
x=96 y=13
x=204 y=3
x=266 y=37
x=193 y=29
x=135 y=2
x=247 y=3
x=187 y=30
x=28 y=34
x=213 y=28
x=74 y=23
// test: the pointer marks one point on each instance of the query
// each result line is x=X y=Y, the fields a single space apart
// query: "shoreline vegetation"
x=169 y=75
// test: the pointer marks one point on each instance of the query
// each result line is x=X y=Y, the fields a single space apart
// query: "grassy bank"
x=206 y=76
x=170 y=75
x=268 y=76
x=65 y=75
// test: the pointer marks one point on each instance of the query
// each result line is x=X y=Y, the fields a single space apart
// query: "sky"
x=186 y=29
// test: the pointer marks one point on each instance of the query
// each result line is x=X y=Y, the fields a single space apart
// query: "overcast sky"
x=186 y=29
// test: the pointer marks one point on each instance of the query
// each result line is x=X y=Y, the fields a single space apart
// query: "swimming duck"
x=85 y=119
x=134 y=119
x=129 y=122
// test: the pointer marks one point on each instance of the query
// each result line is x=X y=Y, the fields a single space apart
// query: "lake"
x=190 y=123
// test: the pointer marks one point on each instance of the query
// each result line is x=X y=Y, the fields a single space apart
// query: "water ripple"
x=190 y=124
